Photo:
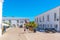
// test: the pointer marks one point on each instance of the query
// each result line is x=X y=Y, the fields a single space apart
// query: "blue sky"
x=28 y=8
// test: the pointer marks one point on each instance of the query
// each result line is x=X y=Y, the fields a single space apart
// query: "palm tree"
x=31 y=25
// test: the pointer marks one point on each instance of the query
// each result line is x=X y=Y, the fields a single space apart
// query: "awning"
x=3 y=24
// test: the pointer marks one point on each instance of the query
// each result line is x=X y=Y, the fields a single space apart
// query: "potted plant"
x=31 y=26
x=34 y=25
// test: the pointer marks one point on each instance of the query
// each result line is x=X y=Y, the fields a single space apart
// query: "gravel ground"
x=19 y=34
x=42 y=36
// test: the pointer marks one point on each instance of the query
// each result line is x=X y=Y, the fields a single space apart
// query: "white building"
x=1 y=4
x=49 y=19
x=15 y=21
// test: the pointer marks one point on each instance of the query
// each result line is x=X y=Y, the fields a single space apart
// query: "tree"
x=31 y=25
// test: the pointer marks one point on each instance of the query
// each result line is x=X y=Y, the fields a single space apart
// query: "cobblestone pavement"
x=19 y=34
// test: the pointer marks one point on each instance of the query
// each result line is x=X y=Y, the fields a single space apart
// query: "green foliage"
x=31 y=24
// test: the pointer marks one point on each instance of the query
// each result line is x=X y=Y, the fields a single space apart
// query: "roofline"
x=15 y=18
x=48 y=10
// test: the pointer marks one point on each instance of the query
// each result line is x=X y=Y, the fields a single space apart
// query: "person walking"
x=24 y=28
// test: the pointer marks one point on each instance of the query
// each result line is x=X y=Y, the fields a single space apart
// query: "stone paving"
x=19 y=34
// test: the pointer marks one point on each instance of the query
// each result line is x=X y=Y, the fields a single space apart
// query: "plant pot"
x=30 y=28
x=26 y=27
x=34 y=30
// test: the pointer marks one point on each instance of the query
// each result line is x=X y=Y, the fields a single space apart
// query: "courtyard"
x=19 y=34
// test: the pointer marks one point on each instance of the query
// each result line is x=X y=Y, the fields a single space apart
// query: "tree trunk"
x=30 y=28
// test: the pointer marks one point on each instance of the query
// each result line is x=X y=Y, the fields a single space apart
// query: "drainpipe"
x=1 y=4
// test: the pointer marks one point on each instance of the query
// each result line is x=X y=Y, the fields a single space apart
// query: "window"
x=43 y=26
x=17 y=21
x=55 y=26
x=37 y=19
x=17 y=24
x=10 y=21
x=25 y=21
x=39 y=25
x=57 y=19
x=40 y=19
x=47 y=25
x=21 y=21
x=47 y=17
x=43 y=18
x=51 y=25
x=54 y=16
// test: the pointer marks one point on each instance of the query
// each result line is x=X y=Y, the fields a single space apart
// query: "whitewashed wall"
x=51 y=17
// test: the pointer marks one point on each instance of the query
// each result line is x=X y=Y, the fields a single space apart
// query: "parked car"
x=53 y=30
x=34 y=30
x=40 y=29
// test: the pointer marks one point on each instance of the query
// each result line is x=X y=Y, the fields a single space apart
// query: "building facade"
x=49 y=19
x=1 y=6
x=15 y=21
